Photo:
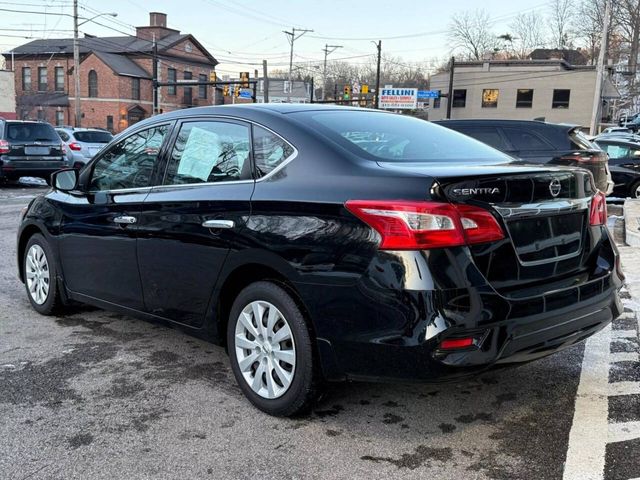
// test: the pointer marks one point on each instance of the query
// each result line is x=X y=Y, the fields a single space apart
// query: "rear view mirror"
x=65 y=180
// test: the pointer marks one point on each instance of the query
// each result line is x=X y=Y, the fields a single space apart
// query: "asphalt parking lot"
x=100 y=395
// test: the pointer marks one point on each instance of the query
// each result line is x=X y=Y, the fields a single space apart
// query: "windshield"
x=93 y=137
x=31 y=132
x=397 y=138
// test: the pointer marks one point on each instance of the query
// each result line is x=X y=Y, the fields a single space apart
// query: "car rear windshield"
x=31 y=132
x=93 y=137
x=397 y=138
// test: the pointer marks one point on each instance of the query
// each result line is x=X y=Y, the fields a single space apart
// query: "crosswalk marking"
x=624 y=334
x=624 y=388
x=624 y=357
x=621 y=432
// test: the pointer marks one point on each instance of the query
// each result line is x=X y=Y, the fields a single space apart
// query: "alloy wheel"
x=37 y=274
x=265 y=349
x=636 y=192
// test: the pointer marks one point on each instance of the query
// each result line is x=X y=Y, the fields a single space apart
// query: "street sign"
x=355 y=89
x=422 y=94
x=365 y=89
x=398 y=98
x=245 y=94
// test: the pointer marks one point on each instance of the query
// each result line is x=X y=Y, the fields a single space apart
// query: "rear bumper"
x=370 y=331
x=32 y=168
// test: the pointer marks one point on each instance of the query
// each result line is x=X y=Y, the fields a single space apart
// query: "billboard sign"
x=398 y=98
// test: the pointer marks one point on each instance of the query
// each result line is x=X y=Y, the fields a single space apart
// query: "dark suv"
x=540 y=142
x=327 y=243
x=29 y=149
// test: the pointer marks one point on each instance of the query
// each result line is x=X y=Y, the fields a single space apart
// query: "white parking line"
x=589 y=431
x=621 y=432
x=624 y=388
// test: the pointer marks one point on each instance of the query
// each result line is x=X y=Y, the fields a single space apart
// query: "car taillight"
x=413 y=225
x=4 y=146
x=598 y=212
x=599 y=157
x=75 y=147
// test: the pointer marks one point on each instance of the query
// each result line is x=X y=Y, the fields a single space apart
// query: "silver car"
x=82 y=143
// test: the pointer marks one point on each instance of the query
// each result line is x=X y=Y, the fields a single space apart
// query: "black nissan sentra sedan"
x=327 y=243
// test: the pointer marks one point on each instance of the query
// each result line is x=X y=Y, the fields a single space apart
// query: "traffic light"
x=347 y=92
x=213 y=77
x=236 y=91
x=244 y=79
x=225 y=90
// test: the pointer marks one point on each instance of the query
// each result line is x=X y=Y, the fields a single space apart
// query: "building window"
x=459 y=98
x=93 y=84
x=59 y=118
x=490 y=98
x=135 y=88
x=524 y=98
x=42 y=79
x=561 y=99
x=41 y=115
x=437 y=100
x=26 y=79
x=202 y=89
x=188 y=98
x=110 y=123
x=59 y=79
x=171 y=77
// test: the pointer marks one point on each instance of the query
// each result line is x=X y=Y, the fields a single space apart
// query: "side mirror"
x=65 y=180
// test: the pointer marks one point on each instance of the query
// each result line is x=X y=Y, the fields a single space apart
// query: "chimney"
x=157 y=27
x=157 y=19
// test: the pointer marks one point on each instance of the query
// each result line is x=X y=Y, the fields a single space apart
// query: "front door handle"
x=125 y=220
x=218 y=224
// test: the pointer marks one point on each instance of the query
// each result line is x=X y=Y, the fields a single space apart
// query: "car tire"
x=634 y=189
x=273 y=361
x=40 y=276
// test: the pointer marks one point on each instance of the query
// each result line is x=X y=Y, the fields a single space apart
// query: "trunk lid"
x=544 y=213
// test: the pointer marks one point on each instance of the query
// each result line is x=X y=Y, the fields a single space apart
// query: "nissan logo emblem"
x=554 y=187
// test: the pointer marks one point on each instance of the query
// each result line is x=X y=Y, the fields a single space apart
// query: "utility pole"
x=76 y=65
x=597 y=94
x=452 y=66
x=156 y=108
x=292 y=37
x=376 y=99
x=265 y=82
x=327 y=50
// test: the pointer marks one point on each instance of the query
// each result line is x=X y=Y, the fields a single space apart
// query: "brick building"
x=116 y=86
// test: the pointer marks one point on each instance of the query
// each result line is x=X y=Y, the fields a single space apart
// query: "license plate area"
x=37 y=150
x=547 y=238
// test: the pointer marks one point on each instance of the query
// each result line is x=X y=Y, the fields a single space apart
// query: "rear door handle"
x=218 y=224
x=125 y=220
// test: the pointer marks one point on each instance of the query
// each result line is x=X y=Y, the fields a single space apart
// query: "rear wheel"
x=270 y=350
x=634 y=191
x=40 y=276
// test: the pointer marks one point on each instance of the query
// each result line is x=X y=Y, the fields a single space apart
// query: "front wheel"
x=271 y=351
x=40 y=276
x=634 y=190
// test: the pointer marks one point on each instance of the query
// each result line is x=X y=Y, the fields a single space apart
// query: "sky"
x=241 y=33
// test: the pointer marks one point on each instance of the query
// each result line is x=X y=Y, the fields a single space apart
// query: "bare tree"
x=527 y=33
x=561 y=16
x=471 y=33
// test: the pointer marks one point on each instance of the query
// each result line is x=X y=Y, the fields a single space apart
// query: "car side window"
x=63 y=135
x=210 y=151
x=129 y=163
x=488 y=135
x=269 y=150
x=523 y=140
x=616 y=151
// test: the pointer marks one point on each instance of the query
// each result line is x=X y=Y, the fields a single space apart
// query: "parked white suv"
x=82 y=143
